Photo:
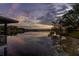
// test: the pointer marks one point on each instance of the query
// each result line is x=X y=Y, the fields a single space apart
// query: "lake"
x=31 y=44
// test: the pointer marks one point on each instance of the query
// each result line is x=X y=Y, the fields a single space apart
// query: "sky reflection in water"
x=30 y=43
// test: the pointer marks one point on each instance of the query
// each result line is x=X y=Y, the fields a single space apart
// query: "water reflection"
x=31 y=44
x=2 y=44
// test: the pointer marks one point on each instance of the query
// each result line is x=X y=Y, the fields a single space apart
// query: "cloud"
x=53 y=11
x=44 y=13
x=25 y=22
x=37 y=13
x=13 y=8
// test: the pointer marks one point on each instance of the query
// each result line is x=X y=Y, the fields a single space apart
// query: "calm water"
x=31 y=44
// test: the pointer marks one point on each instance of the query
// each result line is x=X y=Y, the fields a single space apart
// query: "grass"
x=74 y=34
x=70 y=45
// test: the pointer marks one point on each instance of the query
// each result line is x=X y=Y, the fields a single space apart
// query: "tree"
x=71 y=18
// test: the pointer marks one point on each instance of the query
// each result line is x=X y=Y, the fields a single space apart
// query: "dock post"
x=5 y=39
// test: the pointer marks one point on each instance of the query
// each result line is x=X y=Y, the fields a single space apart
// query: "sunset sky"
x=33 y=13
